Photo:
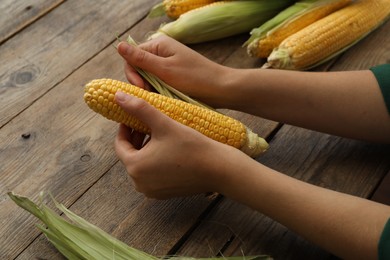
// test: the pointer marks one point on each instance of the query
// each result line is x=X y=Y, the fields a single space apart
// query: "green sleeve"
x=384 y=243
x=382 y=74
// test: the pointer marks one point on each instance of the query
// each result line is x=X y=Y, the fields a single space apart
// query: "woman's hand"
x=177 y=65
x=176 y=161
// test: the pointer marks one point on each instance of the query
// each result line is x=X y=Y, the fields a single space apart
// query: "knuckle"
x=139 y=103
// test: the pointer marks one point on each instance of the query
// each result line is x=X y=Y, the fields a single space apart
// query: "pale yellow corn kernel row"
x=326 y=37
x=274 y=38
x=100 y=97
x=175 y=8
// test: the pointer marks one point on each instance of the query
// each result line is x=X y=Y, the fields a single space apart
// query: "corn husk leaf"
x=79 y=239
x=157 y=11
x=220 y=20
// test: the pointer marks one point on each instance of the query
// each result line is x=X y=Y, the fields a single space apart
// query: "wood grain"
x=17 y=15
x=49 y=146
x=382 y=193
x=42 y=55
x=113 y=204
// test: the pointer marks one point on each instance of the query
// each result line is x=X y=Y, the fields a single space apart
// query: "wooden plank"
x=62 y=154
x=16 y=15
x=112 y=204
x=244 y=232
x=43 y=148
x=348 y=166
x=382 y=193
x=69 y=150
x=42 y=55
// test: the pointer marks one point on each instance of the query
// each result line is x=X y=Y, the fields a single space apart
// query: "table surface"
x=51 y=141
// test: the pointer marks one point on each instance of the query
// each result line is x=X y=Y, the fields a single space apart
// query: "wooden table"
x=51 y=141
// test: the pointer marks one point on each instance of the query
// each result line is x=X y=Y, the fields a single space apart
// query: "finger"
x=123 y=148
x=141 y=110
x=138 y=57
x=133 y=77
x=162 y=46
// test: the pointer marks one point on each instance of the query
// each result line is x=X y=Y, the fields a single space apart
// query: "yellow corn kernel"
x=329 y=36
x=175 y=8
x=215 y=125
x=275 y=37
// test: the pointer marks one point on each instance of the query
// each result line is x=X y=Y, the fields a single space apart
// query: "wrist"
x=231 y=178
x=237 y=88
x=219 y=87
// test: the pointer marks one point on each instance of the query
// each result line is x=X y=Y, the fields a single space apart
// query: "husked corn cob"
x=99 y=95
x=304 y=13
x=329 y=36
x=175 y=8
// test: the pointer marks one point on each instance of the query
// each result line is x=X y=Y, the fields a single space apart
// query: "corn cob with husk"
x=100 y=94
x=292 y=19
x=329 y=36
x=174 y=8
x=76 y=238
x=220 y=19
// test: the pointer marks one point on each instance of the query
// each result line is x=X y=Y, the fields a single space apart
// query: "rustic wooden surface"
x=50 y=140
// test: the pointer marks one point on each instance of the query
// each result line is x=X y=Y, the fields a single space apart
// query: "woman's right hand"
x=177 y=65
x=177 y=160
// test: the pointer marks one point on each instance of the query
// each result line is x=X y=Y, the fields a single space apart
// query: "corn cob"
x=174 y=8
x=294 y=18
x=220 y=19
x=329 y=36
x=99 y=96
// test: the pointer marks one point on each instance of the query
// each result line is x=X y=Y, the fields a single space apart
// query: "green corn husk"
x=282 y=19
x=80 y=239
x=220 y=20
x=157 y=11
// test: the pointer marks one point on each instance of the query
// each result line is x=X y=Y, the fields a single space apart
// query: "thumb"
x=138 y=57
x=141 y=110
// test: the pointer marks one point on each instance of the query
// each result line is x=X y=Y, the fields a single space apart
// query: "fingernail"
x=124 y=48
x=121 y=97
